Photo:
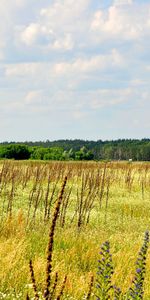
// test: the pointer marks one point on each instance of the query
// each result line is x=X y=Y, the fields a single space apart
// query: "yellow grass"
x=122 y=219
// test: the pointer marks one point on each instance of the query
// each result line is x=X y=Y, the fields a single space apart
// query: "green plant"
x=104 y=274
x=137 y=290
x=104 y=287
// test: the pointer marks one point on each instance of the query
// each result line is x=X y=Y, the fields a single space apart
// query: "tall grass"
x=101 y=201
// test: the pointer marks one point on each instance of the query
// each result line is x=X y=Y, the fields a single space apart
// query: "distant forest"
x=122 y=149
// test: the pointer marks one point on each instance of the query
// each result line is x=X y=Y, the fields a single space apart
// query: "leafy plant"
x=137 y=290
x=104 y=288
x=105 y=271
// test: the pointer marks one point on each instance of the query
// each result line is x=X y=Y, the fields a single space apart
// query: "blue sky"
x=74 y=69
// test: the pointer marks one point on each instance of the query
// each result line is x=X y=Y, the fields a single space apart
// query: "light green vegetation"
x=101 y=202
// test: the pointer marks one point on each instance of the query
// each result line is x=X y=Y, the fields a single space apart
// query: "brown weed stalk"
x=53 y=289
x=51 y=240
x=64 y=207
x=90 y=287
x=102 y=185
x=33 y=281
x=52 y=196
x=27 y=297
x=62 y=288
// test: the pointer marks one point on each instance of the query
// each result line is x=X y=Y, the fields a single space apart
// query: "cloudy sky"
x=74 y=69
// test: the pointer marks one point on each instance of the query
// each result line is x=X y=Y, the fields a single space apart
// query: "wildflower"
x=137 y=291
x=105 y=271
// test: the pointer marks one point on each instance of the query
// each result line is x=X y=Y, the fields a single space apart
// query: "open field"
x=102 y=201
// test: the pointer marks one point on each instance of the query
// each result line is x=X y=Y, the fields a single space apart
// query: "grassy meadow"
x=102 y=201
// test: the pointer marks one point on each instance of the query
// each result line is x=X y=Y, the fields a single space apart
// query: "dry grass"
x=101 y=202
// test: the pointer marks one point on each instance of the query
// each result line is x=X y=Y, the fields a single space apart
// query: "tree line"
x=125 y=149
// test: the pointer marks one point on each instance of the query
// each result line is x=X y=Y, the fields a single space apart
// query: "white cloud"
x=35 y=98
x=65 y=43
x=118 y=21
x=34 y=33
x=43 y=35
x=22 y=69
x=67 y=25
x=91 y=64
x=122 y=2
x=64 y=11
x=110 y=97
x=58 y=25
x=53 y=71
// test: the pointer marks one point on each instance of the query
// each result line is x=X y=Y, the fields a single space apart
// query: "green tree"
x=16 y=151
x=54 y=153
x=38 y=153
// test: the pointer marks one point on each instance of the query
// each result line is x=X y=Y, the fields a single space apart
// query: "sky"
x=74 y=69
